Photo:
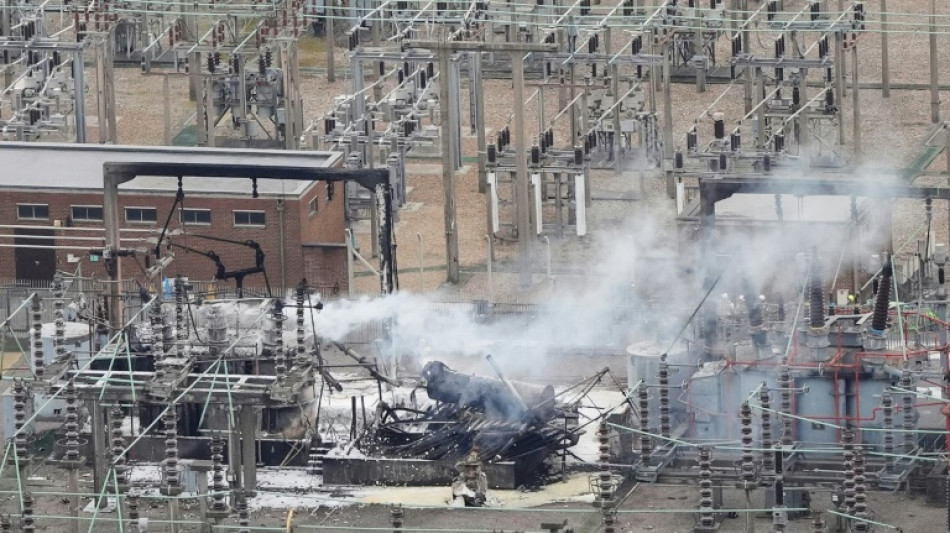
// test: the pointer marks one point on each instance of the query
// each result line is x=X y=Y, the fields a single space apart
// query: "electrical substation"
x=487 y=266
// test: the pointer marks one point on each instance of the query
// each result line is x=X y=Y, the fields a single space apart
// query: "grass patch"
x=311 y=51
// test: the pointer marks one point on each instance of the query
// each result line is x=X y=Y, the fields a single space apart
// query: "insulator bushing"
x=816 y=308
x=171 y=478
x=785 y=384
x=887 y=412
x=605 y=478
x=36 y=323
x=280 y=358
x=747 y=461
x=663 y=377
x=646 y=441
x=396 y=516
x=27 y=519
x=678 y=159
x=219 y=486
x=706 y=517
x=301 y=360
x=908 y=412
x=244 y=519
x=719 y=127
x=691 y=139
x=20 y=440
x=59 y=339
x=535 y=155
x=118 y=446
x=768 y=467
x=848 y=461
x=882 y=299
x=71 y=425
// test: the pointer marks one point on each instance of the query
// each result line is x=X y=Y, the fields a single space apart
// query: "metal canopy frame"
x=117 y=173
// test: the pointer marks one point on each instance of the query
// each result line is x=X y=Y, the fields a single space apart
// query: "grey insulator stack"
x=785 y=384
x=768 y=466
x=157 y=321
x=816 y=299
x=706 y=517
x=27 y=519
x=6 y=525
x=218 y=484
x=780 y=515
x=887 y=410
x=244 y=519
x=118 y=447
x=181 y=332
x=747 y=467
x=849 y=491
x=646 y=441
x=59 y=318
x=301 y=360
x=605 y=478
x=36 y=321
x=171 y=478
x=158 y=346
x=396 y=515
x=818 y=524
x=882 y=300
x=663 y=374
x=71 y=425
x=860 y=492
x=20 y=441
x=132 y=503
x=907 y=412
x=280 y=358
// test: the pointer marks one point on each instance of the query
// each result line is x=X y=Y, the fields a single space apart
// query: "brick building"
x=51 y=216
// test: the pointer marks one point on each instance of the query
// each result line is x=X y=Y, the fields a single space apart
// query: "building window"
x=141 y=215
x=32 y=211
x=86 y=213
x=313 y=206
x=200 y=217
x=248 y=218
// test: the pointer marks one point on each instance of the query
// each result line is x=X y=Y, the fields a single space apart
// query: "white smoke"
x=637 y=286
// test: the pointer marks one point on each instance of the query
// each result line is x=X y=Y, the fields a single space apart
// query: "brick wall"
x=327 y=226
x=325 y=268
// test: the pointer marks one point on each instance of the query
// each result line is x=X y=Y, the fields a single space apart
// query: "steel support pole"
x=615 y=89
x=79 y=92
x=75 y=501
x=110 y=89
x=207 y=93
x=448 y=171
x=839 y=82
x=885 y=57
x=698 y=39
x=248 y=423
x=855 y=102
x=166 y=112
x=668 y=123
x=522 y=193
x=101 y=92
x=97 y=427
x=934 y=73
x=330 y=42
